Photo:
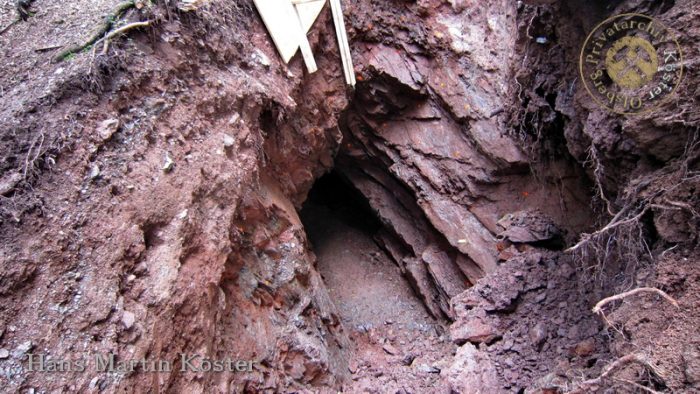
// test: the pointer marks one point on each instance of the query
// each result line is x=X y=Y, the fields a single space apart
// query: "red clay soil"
x=150 y=202
x=397 y=346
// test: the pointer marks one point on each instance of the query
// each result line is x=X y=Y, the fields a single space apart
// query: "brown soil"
x=366 y=286
x=168 y=196
x=397 y=346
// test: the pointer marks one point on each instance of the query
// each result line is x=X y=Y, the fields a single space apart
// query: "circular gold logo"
x=631 y=63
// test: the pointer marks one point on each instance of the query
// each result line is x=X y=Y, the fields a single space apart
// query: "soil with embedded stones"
x=150 y=202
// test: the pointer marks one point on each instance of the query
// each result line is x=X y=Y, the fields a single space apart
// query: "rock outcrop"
x=427 y=140
x=149 y=196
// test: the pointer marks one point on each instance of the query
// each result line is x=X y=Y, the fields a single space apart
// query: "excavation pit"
x=365 y=284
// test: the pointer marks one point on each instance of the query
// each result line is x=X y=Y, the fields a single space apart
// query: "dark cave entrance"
x=365 y=284
x=333 y=194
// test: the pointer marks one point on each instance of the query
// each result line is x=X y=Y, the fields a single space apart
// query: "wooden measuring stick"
x=342 y=42
x=305 y=47
x=336 y=24
x=346 y=46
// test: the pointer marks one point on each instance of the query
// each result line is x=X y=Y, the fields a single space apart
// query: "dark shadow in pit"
x=364 y=283
x=333 y=195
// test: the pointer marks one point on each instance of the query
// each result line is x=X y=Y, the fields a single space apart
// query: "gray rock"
x=168 y=164
x=427 y=369
x=22 y=349
x=128 y=319
x=529 y=226
x=107 y=128
x=408 y=359
x=94 y=171
x=228 y=141
x=9 y=181
x=538 y=334
x=471 y=371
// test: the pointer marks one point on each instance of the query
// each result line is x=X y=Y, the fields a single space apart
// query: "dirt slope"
x=149 y=200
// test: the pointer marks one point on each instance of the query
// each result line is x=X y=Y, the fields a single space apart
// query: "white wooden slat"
x=334 y=13
x=343 y=45
x=305 y=48
x=282 y=23
x=346 y=44
x=308 y=12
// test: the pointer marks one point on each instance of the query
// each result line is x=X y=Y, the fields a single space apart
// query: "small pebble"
x=128 y=319
x=169 y=163
x=228 y=141
x=94 y=172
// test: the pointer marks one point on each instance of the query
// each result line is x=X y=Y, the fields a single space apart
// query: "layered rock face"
x=166 y=223
x=150 y=199
x=428 y=141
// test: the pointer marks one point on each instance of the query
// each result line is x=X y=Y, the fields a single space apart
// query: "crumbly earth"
x=367 y=286
x=151 y=194
x=397 y=346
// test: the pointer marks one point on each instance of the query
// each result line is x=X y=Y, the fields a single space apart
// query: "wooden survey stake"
x=285 y=26
x=343 y=45
x=288 y=21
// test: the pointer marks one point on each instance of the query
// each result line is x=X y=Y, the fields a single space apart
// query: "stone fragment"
x=408 y=359
x=528 y=227
x=471 y=371
x=128 y=319
x=427 y=369
x=4 y=353
x=390 y=349
x=94 y=171
x=473 y=330
x=107 y=128
x=584 y=348
x=228 y=141
x=261 y=58
x=9 y=181
x=168 y=164
x=538 y=334
x=22 y=349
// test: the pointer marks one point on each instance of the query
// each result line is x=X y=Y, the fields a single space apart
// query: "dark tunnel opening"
x=335 y=195
x=365 y=284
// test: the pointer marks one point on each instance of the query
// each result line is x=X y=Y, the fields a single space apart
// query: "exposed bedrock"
x=167 y=224
x=427 y=141
x=149 y=199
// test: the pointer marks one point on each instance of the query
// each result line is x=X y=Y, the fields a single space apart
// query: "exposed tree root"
x=598 y=307
x=99 y=33
x=190 y=5
x=598 y=174
x=33 y=155
x=624 y=233
x=614 y=366
x=22 y=7
x=637 y=385
x=6 y=28
x=119 y=31
x=615 y=222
